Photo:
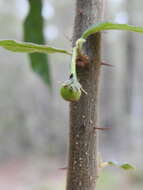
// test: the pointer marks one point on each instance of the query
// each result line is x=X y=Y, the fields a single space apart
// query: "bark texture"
x=83 y=142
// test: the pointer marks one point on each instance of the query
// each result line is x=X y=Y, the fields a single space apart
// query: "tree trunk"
x=133 y=87
x=83 y=143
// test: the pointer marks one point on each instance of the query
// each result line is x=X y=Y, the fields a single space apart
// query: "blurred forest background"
x=34 y=119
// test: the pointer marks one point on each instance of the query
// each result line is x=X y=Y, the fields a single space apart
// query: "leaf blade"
x=124 y=166
x=110 y=26
x=25 y=47
x=127 y=166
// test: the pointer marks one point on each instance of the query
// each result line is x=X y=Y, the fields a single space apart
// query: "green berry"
x=71 y=90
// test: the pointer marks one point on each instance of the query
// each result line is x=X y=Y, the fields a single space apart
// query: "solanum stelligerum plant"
x=71 y=89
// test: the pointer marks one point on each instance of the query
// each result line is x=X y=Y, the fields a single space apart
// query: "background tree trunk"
x=134 y=83
x=83 y=145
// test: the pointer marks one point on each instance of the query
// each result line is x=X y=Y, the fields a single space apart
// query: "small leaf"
x=111 y=163
x=127 y=166
x=100 y=26
x=26 y=47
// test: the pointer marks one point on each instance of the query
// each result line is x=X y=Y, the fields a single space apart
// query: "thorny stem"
x=82 y=171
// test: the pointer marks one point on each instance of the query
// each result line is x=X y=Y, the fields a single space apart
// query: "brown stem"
x=83 y=145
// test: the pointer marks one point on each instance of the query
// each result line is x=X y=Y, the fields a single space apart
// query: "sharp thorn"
x=64 y=168
x=83 y=91
x=106 y=64
x=102 y=128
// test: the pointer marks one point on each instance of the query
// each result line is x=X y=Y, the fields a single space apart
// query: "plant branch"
x=83 y=141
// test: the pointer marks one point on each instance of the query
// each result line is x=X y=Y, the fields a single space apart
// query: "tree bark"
x=83 y=142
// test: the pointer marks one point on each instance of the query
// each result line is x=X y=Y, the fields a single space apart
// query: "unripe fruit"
x=71 y=90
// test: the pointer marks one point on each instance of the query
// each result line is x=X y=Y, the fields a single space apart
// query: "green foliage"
x=110 y=26
x=111 y=163
x=124 y=166
x=33 y=32
x=25 y=47
x=127 y=166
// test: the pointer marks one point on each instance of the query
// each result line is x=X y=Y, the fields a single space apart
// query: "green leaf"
x=127 y=166
x=25 y=47
x=110 y=26
x=111 y=163
x=124 y=166
x=33 y=32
